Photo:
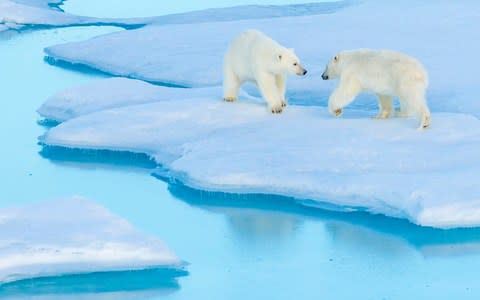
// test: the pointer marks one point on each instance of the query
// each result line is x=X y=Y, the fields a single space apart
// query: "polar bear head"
x=289 y=63
x=334 y=68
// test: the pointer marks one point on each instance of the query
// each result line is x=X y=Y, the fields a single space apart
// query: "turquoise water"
x=238 y=247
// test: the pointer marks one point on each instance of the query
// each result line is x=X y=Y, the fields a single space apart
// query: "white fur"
x=255 y=57
x=387 y=74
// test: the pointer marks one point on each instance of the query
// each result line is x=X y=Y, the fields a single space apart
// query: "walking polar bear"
x=387 y=74
x=255 y=57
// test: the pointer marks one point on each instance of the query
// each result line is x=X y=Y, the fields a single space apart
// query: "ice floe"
x=192 y=55
x=46 y=13
x=74 y=235
x=15 y=14
x=352 y=163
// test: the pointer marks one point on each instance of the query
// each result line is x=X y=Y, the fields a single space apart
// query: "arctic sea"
x=236 y=247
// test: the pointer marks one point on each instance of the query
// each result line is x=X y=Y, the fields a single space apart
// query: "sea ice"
x=74 y=235
x=350 y=163
x=18 y=14
x=192 y=54
x=354 y=163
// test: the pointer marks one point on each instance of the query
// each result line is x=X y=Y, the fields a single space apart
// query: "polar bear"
x=257 y=58
x=387 y=74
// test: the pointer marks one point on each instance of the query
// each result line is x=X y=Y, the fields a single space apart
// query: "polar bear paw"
x=338 y=112
x=277 y=108
x=229 y=99
x=284 y=103
x=382 y=116
x=425 y=123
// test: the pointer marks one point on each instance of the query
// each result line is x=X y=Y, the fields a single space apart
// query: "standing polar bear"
x=255 y=57
x=387 y=74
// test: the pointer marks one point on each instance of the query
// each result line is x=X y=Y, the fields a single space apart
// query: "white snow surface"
x=74 y=235
x=115 y=92
x=354 y=163
x=192 y=54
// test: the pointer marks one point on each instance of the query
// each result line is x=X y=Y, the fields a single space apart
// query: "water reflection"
x=270 y=218
x=253 y=226
x=359 y=229
x=103 y=285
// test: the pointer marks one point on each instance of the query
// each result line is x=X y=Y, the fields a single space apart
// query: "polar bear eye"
x=336 y=58
x=295 y=64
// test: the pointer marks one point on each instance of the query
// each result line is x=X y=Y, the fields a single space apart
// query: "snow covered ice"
x=74 y=235
x=349 y=163
x=160 y=53
x=17 y=14
x=383 y=167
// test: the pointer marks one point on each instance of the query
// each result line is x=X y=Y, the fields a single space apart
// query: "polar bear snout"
x=302 y=72
x=325 y=76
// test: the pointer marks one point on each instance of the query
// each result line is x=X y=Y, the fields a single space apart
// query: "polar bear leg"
x=385 y=104
x=416 y=101
x=343 y=95
x=281 y=85
x=425 y=119
x=403 y=111
x=231 y=85
x=269 y=90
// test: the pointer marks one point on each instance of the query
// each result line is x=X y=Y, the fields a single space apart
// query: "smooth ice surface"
x=357 y=163
x=159 y=53
x=116 y=92
x=74 y=235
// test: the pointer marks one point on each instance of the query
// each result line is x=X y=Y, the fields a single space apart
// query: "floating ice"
x=39 y=13
x=73 y=236
x=387 y=167
x=46 y=13
x=352 y=163
x=192 y=55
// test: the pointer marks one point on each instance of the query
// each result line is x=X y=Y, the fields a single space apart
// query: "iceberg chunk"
x=74 y=235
